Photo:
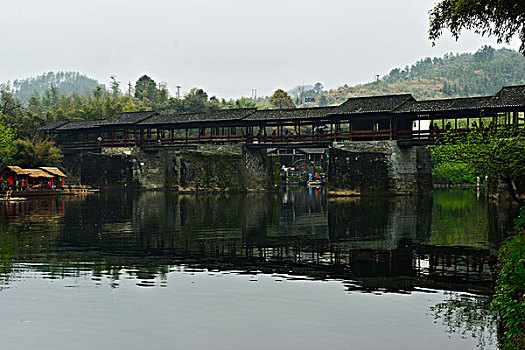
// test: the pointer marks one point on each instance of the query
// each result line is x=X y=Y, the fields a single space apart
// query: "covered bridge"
x=389 y=117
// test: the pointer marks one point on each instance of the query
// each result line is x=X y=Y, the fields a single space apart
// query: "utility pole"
x=178 y=91
x=129 y=89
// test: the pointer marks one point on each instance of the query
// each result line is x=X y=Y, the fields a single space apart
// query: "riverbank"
x=509 y=296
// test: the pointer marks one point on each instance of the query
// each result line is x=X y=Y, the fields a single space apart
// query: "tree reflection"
x=395 y=243
x=467 y=315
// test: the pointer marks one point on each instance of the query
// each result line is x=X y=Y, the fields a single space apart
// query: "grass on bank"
x=509 y=296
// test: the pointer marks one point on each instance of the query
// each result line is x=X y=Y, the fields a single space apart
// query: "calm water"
x=158 y=270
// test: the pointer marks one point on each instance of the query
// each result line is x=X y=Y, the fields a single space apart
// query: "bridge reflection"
x=371 y=243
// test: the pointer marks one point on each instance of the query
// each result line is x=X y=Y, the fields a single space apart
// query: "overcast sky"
x=226 y=47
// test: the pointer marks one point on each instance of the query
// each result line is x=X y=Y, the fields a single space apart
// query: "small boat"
x=315 y=184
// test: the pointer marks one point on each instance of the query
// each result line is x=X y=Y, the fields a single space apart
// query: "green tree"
x=318 y=87
x=146 y=89
x=34 y=105
x=500 y=18
x=498 y=152
x=486 y=53
x=9 y=104
x=7 y=136
x=196 y=101
x=323 y=101
x=280 y=99
x=243 y=102
x=36 y=153
x=115 y=87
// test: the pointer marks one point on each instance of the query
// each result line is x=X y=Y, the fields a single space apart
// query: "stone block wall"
x=206 y=169
x=100 y=170
x=375 y=167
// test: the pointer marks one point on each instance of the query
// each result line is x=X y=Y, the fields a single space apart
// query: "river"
x=162 y=270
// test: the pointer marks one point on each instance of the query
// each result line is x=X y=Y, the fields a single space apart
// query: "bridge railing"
x=356 y=135
x=291 y=139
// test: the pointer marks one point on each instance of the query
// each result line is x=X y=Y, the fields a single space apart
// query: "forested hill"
x=461 y=75
x=65 y=83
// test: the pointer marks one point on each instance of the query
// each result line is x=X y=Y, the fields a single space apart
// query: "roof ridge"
x=454 y=99
x=512 y=86
x=151 y=111
x=389 y=95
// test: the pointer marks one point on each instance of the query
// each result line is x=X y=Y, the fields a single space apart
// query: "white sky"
x=226 y=47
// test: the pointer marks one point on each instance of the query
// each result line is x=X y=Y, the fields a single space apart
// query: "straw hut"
x=14 y=177
x=59 y=180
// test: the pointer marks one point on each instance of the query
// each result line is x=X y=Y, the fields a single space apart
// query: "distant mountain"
x=461 y=75
x=65 y=82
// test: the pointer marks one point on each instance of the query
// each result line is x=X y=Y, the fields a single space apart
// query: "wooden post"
x=373 y=128
x=390 y=126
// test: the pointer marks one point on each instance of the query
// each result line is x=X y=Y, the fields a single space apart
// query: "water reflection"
x=366 y=245
x=395 y=244
x=467 y=315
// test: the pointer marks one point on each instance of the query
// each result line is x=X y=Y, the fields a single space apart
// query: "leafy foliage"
x=462 y=75
x=36 y=153
x=64 y=82
x=500 y=18
x=509 y=296
x=454 y=173
x=498 y=152
x=7 y=148
x=280 y=99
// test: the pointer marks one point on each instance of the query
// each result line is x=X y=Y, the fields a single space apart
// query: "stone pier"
x=378 y=167
x=207 y=168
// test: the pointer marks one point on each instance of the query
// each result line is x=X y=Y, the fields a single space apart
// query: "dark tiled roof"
x=127 y=118
x=452 y=104
x=79 y=125
x=287 y=114
x=509 y=96
x=372 y=104
x=54 y=125
x=217 y=115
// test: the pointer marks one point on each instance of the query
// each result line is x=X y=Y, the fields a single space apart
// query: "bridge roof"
x=127 y=118
x=180 y=118
x=289 y=114
x=54 y=125
x=372 y=104
x=452 y=104
x=509 y=96
x=80 y=125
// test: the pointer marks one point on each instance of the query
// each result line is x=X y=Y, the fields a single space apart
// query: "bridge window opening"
x=363 y=125
x=91 y=137
x=179 y=133
x=383 y=124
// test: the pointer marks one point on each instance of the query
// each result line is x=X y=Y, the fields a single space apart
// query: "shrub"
x=509 y=297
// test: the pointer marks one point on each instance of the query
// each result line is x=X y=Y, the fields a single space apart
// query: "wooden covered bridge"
x=390 y=117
